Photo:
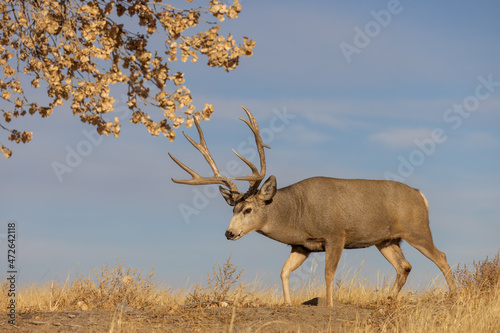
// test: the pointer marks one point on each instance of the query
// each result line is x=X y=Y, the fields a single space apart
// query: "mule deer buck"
x=323 y=214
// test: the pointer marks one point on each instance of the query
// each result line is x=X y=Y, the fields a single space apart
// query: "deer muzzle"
x=230 y=236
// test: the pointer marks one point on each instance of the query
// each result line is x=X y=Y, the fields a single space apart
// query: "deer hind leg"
x=428 y=249
x=296 y=258
x=393 y=253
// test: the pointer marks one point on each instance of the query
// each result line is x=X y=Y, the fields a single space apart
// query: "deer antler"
x=196 y=179
x=255 y=179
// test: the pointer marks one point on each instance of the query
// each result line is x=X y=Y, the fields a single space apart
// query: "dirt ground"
x=304 y=318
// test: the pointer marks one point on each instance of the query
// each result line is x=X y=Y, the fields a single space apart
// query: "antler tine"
x=256 y=178
x=196 y=178
x=185 y=168
x=250 y=164
x=202 y=147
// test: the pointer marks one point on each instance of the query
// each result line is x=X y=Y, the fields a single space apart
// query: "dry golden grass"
x=117 y=289
x=102 y=288
x=475 y=307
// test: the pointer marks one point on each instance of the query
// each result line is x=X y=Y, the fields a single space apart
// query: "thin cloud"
x=306 y=135
x=481 y=140
x=401 y=138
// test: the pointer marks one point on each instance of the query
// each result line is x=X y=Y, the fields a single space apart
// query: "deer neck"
x=283 y=220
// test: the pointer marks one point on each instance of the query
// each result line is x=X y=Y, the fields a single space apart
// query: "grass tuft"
x=483 y=277
x=223 y=285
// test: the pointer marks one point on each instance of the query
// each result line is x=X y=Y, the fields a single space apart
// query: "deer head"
x=248 y=212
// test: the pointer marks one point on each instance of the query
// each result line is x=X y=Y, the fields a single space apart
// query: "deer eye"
x=247 y=211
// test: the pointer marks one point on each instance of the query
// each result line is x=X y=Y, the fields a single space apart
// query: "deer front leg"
x=296 y=258
x=333 y=252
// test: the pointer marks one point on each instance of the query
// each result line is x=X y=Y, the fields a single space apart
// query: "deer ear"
x=227 y=195
x=268 y=190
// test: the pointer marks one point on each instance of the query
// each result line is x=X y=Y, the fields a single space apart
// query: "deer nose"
x=229 y=235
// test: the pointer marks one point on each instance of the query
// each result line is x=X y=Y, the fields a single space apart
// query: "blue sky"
x=418 y=100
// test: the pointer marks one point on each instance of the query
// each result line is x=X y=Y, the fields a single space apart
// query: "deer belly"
x=314 y=244
x=359 y=245
x=357 y=238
